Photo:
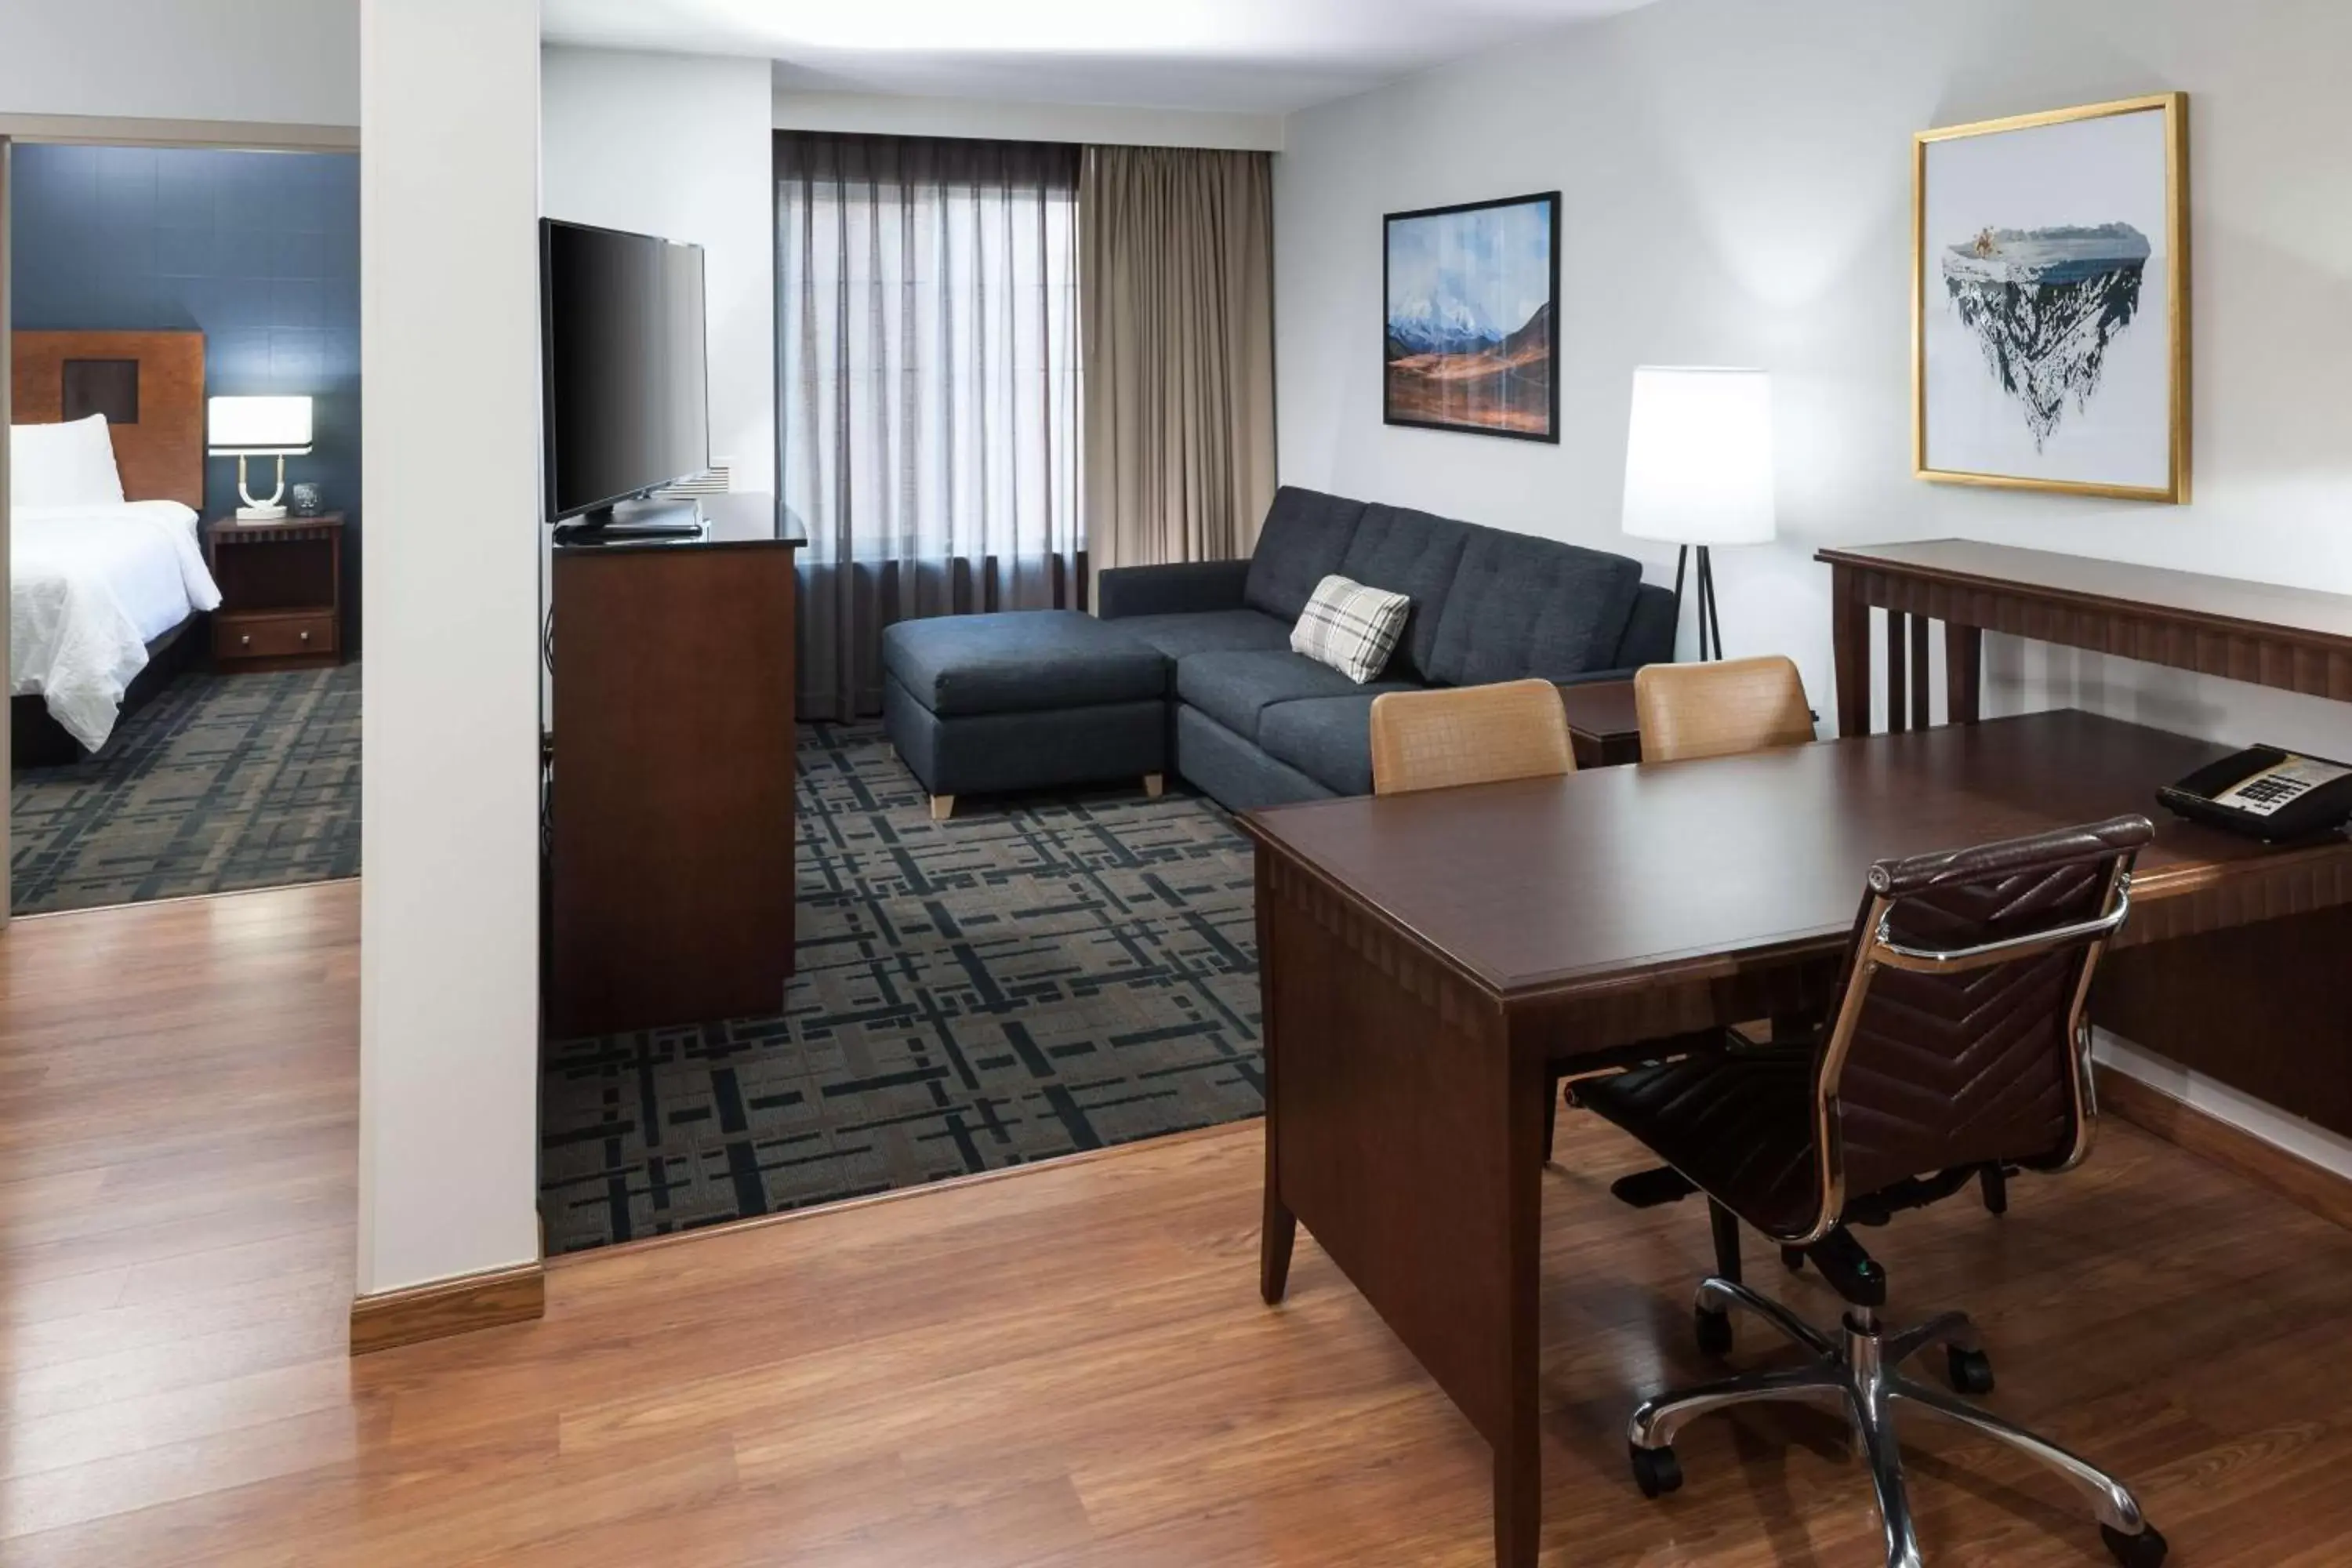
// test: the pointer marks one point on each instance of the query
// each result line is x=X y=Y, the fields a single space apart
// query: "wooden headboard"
x=149 y=386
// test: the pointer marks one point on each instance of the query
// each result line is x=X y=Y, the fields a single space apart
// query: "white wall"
x=1736 y=190
x=888 y=114
x=681 y=145
x=291 y=61
x=449 y=906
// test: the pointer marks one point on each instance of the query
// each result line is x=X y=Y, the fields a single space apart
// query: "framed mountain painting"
x=2050 y=301
x=1471 y=295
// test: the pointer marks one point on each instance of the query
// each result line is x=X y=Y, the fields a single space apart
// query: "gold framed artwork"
x=2050 y=341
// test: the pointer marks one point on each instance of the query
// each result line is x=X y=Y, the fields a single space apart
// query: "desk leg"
x=1406 y=1130
x=1278 y=1228
x=1277 y=1235
x=1850 y=649
x=1899 y=681
x=1963 y=672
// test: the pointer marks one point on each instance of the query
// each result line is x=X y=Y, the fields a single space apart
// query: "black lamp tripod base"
x=1710 y=628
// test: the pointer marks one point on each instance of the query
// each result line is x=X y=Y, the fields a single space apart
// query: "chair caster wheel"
x=1792 y=1258
x=2145 y=1550
x=1970 y=1372
x=1657 y=1472
x=1714 y=1331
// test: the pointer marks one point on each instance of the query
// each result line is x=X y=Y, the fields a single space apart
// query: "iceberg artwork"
x=1472 y=296
x=2050 y=332
x=2045 y=303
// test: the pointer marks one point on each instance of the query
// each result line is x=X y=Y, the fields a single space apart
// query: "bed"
x=108 y=580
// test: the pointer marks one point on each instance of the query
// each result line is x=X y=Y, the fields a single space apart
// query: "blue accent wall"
x=259 y=251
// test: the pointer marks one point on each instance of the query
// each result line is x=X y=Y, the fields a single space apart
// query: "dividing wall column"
x=448 y=1236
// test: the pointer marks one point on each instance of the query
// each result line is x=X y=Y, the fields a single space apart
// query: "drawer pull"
x=246 y=641
x=306 y=636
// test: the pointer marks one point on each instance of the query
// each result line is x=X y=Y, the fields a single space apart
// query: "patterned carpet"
x=1032 y=978
x=221 y=782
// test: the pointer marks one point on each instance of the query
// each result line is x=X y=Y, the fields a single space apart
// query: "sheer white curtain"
x=929 y=383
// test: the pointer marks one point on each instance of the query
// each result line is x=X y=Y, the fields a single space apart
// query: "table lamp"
x=1698 y=471
x=245 y=427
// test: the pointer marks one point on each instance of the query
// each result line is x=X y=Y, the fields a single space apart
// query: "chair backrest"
x=1467 y=735
x=1959 y=1034
x=1716 y=709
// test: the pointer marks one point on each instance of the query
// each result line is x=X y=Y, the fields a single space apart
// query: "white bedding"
x=91 y=586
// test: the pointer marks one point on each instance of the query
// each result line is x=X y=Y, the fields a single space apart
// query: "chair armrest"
x=1188 y=587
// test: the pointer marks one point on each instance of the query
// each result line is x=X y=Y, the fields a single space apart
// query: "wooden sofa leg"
x=1153 y=785
x=942 y=807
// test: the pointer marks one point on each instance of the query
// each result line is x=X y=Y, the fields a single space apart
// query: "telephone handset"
x=2267 y=793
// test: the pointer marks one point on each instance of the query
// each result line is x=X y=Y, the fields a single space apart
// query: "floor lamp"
x=1699 y=473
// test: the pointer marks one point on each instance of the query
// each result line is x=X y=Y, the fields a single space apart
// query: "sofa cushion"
x=1304 y=535
x=1213 y=631
x=1413 y=554
x=1329 y=739
x=1525 y=606
x=1233 y=689
x=1018 y=660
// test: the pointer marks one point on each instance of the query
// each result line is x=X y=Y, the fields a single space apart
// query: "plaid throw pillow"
x=1350 y=628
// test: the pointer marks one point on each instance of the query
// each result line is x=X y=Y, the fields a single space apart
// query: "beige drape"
x=1176 y=269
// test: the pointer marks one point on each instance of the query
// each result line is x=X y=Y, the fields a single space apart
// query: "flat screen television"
x=621 y=340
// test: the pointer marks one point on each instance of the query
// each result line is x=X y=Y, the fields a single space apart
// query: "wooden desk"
x=2238 y=1004
x=1426 y=958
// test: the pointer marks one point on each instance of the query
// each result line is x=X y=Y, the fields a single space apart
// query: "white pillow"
x=63 y=465
x=1350 y=628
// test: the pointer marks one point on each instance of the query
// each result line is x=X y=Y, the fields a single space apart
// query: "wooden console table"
x=2298 y=640
x=2262 y=1005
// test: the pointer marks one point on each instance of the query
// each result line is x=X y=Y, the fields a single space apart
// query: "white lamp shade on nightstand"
x=1698 y=457
x=259 y=426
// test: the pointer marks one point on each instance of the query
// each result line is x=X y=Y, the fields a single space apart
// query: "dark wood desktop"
x=670 y=851
x=1428 y=960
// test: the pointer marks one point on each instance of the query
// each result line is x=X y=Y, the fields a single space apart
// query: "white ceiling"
x=1251 y=56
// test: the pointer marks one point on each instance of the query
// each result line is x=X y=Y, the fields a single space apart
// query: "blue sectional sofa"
x=1255 y=724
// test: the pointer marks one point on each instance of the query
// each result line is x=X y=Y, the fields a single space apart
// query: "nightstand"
x=281 y=591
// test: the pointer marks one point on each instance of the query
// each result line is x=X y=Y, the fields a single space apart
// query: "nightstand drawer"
x=278 y=635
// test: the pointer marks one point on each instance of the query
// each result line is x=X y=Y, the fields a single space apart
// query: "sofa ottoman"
x=1022 y=700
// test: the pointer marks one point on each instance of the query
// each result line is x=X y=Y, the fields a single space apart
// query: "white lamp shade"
x=259 y=424
x=1698 y=457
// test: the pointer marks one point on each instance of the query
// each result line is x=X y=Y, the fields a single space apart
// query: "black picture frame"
x=1390 y=377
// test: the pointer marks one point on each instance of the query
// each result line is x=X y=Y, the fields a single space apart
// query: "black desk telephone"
x=2266 y=793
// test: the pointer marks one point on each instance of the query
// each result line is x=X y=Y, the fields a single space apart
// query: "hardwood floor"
x=1069 y=1366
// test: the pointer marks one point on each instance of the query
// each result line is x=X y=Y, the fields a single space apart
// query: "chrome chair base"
x=1860 y=1372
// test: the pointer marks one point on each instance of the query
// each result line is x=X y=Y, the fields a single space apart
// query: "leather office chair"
x=1469 y=735
x=1718 y=709
x=1956 y=1040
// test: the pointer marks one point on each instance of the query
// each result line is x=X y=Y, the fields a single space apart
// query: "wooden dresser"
x=670 y=787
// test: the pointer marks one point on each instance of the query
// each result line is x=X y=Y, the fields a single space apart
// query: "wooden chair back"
x=1714 y=709
x=1468 y=735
